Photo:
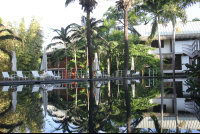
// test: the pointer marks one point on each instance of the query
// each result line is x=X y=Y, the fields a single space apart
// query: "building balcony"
x=55 y=64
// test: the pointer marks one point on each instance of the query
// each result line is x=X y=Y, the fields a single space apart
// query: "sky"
x=53 y=14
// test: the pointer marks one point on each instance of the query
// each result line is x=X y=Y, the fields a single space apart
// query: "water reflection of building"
x=188 y=109
x=62 y=90
x=168 y=101
x=191 y=122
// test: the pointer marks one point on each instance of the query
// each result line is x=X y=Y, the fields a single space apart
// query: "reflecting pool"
x=116 y=106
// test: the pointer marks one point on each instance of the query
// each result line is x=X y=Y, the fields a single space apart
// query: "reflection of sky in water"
x=50 y=125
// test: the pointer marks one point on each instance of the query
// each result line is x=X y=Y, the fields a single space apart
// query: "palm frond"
x=83 y=21
x=153 y=31
x=57 y=31
x=1 y=25
x=8 y=30
x=67 y=2
x=56 y=37
x=7 y=52
x=10 y=37
x=95 y=23
x=53 y=44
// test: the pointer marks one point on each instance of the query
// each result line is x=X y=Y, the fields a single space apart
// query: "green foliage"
x=156 y=123
x=193 y=80
x=134 y=17
x=28 y=114
x=196 y=19
x=28 y=51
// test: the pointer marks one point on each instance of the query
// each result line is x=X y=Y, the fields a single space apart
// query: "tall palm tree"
x=64 y=38
x=104 y=36
x=88 y=6
x=80 y=33
x=156 y=7
x=125 y=5
x=171 y=12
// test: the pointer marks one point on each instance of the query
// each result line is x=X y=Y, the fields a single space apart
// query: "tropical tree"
x=28 y=50
x=196 y=19
x=135 y=17
x=125 y=5
x=57 y=55
x=7 y=36
x=172 y=11
x=63 y=38
x=80 y=33
x=156 y=8
x=110 y=43
x=88 y=6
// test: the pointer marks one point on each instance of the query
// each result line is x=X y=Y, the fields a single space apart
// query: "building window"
x=155 y=44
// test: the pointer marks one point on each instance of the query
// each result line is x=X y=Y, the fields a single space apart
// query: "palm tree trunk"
x=174 y=84
x=87 y=96
x=161 y=67
x=173 y=44
x=58 y=66
x=162 y=95
x=76 y=96
x=99 y=60
x=76 y=76
x=89 y=45
x=66 y=69
x=160 y=51
x=91 y=107
x=109 y=92
x=175 y=104
x=87 y=61
x=126 y=42
x=108 y=62
x=128 y=106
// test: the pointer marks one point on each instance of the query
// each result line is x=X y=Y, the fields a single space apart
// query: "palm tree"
x=172 y=11
x=64 y=39
x=88 y=6
x=108 y=25
x=155 y=7
x=74 y=47
x=125 y=5
x=80 y=33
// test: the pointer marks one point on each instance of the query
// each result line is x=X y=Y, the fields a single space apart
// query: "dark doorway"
x=178 y=65
x=158 y=108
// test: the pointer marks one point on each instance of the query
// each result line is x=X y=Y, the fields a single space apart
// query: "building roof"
x=189 y=30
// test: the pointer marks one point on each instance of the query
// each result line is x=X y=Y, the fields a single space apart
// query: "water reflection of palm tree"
x=110 y=115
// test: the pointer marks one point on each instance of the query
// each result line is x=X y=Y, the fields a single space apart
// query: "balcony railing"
x=55 y=64
x=168 y=67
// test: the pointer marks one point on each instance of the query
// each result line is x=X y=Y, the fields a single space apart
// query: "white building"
x=188 y=109
x=187 y=43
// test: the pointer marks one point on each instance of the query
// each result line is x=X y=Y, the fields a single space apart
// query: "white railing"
x=193 y=107
x=192 y=50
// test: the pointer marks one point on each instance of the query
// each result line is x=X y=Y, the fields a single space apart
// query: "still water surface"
x=113 y=107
